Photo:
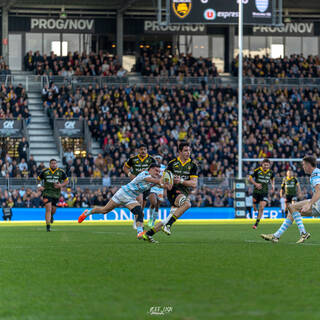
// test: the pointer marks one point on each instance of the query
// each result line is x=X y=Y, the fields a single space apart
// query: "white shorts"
x=158 y=192
x=122 y=198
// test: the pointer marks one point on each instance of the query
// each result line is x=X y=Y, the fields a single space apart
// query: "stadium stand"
x=165 y=64
x=101 y=64
x=120 y=118
x=295 y=66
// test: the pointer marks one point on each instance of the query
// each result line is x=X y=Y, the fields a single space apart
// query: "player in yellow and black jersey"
x=260 y=178
x=290 y=189
x=53 y=179
x=185 y=172
x=135 y=165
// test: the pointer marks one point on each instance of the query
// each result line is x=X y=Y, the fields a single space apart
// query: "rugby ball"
x=167 y=177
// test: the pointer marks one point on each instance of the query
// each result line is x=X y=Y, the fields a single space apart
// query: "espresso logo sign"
x=182 y=7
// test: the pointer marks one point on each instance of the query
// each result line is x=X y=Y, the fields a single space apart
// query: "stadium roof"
x=130 y=7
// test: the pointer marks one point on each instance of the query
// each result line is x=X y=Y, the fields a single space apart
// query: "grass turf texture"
x=214 y=271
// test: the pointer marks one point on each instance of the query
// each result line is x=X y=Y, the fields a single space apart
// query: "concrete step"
x=34 y=100
x=39 y=125
x=35 y=95
x=36 y=108
x=40 y=132
x=42 y=145
x=42 y=152
x=21 y=72
x=37 y=113
x=42 y=139
x=40 y=120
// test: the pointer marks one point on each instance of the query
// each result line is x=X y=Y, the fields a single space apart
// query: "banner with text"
x=11 y=128
x=69 y=128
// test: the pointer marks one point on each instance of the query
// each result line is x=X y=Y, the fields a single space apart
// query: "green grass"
x=214 y=271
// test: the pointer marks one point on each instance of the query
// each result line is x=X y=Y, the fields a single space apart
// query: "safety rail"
x=132 y=80
x=36 y=82
x=98 y=183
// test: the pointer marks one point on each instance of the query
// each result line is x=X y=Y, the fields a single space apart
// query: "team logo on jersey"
x=262 y=5
x=181 y=7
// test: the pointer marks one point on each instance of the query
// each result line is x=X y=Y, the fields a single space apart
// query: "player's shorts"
x=51 y=200
x=289 y=199
x=172 y=195
x=316 y=209
x=257 y=198
x=158 y=192
x=146 y=194
x=123 y=198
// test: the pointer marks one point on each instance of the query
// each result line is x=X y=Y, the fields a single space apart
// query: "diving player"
x=127 y=195
x=156 y=195
x=134 y=166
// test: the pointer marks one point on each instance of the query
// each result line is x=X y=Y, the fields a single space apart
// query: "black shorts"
x=172 y=195
x=289 y=199
x=146 y=194
x=51 y=200
x=257 y=198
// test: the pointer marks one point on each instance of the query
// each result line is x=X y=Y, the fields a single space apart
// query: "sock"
x=152 y=213
x=48 y=227
x=151 y=232
x=285 y=225
x=139 y=229
x=257 y=222
x=297 y=218
x=172 y=220
x=155 y=215
x=88 y=213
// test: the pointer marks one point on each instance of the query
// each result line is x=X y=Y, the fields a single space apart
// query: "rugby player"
x=156 y=196
x=185 y=172
x=290 y=188
x=134 y=166
x=53 y=179
x=309 y=207
x=260 y=178
x=127 y=195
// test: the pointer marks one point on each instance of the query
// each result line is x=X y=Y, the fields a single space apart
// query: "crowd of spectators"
x=85 y=198
x=14 y=102
x=279 y=123
x=74 y=64
x=295 y=66
x=4 y=68
x=165 y=64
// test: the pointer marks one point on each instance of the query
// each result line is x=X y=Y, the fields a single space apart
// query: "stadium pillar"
x=120 y=36
x=5 y=34
x=230 y=48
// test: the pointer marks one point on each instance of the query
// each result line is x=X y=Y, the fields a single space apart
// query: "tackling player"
x=134 y=166
x=156 y=196
x=127 y=195
x=261 y=178
x=309 y=207
x=289 y=188
x=185 y=179
x=53 y=179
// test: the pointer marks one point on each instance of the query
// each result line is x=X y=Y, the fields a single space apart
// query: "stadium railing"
x=96 y=183
x=132 y=80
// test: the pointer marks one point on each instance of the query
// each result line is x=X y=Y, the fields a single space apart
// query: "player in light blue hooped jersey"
x=156 y=195
x=126 y=196
x=309 y=207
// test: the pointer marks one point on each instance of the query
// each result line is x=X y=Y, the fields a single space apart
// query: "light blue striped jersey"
x=138 y=184
x=157 y=187
x=315 y=178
